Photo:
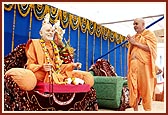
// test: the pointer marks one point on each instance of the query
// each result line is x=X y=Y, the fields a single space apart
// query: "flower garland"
x=57 y=60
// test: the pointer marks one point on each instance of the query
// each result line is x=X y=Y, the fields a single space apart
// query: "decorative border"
x=66 y=18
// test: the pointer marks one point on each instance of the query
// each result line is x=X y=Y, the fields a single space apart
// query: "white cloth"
x=160 y=83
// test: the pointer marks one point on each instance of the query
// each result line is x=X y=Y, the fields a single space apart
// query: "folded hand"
x=131 y=39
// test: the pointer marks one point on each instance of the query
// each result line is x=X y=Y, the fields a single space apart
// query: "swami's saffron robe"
x=141 y=69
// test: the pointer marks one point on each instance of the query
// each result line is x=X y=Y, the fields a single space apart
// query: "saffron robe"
x=36 y=59
x=141 y=69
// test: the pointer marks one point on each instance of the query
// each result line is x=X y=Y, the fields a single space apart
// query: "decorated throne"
x=16 y=99
x=111 y=90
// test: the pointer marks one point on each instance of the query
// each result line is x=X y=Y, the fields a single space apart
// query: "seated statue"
x=44 y=60
x=33 y=65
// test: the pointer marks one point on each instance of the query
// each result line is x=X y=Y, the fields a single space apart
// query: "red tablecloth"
x=62 y=88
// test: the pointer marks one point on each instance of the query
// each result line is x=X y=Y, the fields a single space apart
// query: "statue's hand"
x=78 y=65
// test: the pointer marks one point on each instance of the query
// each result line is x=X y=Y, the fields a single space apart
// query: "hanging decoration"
x=74 y=21
x=83 y=24
x=94 y=42
x=87 y=51
x=101 y=45
x=111 y=36
x=54 y=15
x=98 y=30
x=91 y=27
x=117 y=40
x=122 y=38
x=64 y=18
x=108 y=49
x=104 y=33
x=13 y=28
x=8 y=7
x=40 y=10
x=115 y=36
x=24 y=9
x=78 y=49
x=30 y=24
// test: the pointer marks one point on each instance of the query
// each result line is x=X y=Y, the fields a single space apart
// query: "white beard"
x=49 y=38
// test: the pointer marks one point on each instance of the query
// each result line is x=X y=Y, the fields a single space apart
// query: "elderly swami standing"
x=142 y=53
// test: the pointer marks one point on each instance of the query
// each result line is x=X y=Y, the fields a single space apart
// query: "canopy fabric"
x=117 y=16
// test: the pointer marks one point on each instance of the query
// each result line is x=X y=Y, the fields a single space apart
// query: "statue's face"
x=47 y=32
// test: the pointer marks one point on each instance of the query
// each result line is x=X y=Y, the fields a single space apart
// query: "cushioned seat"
x=109 y=91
